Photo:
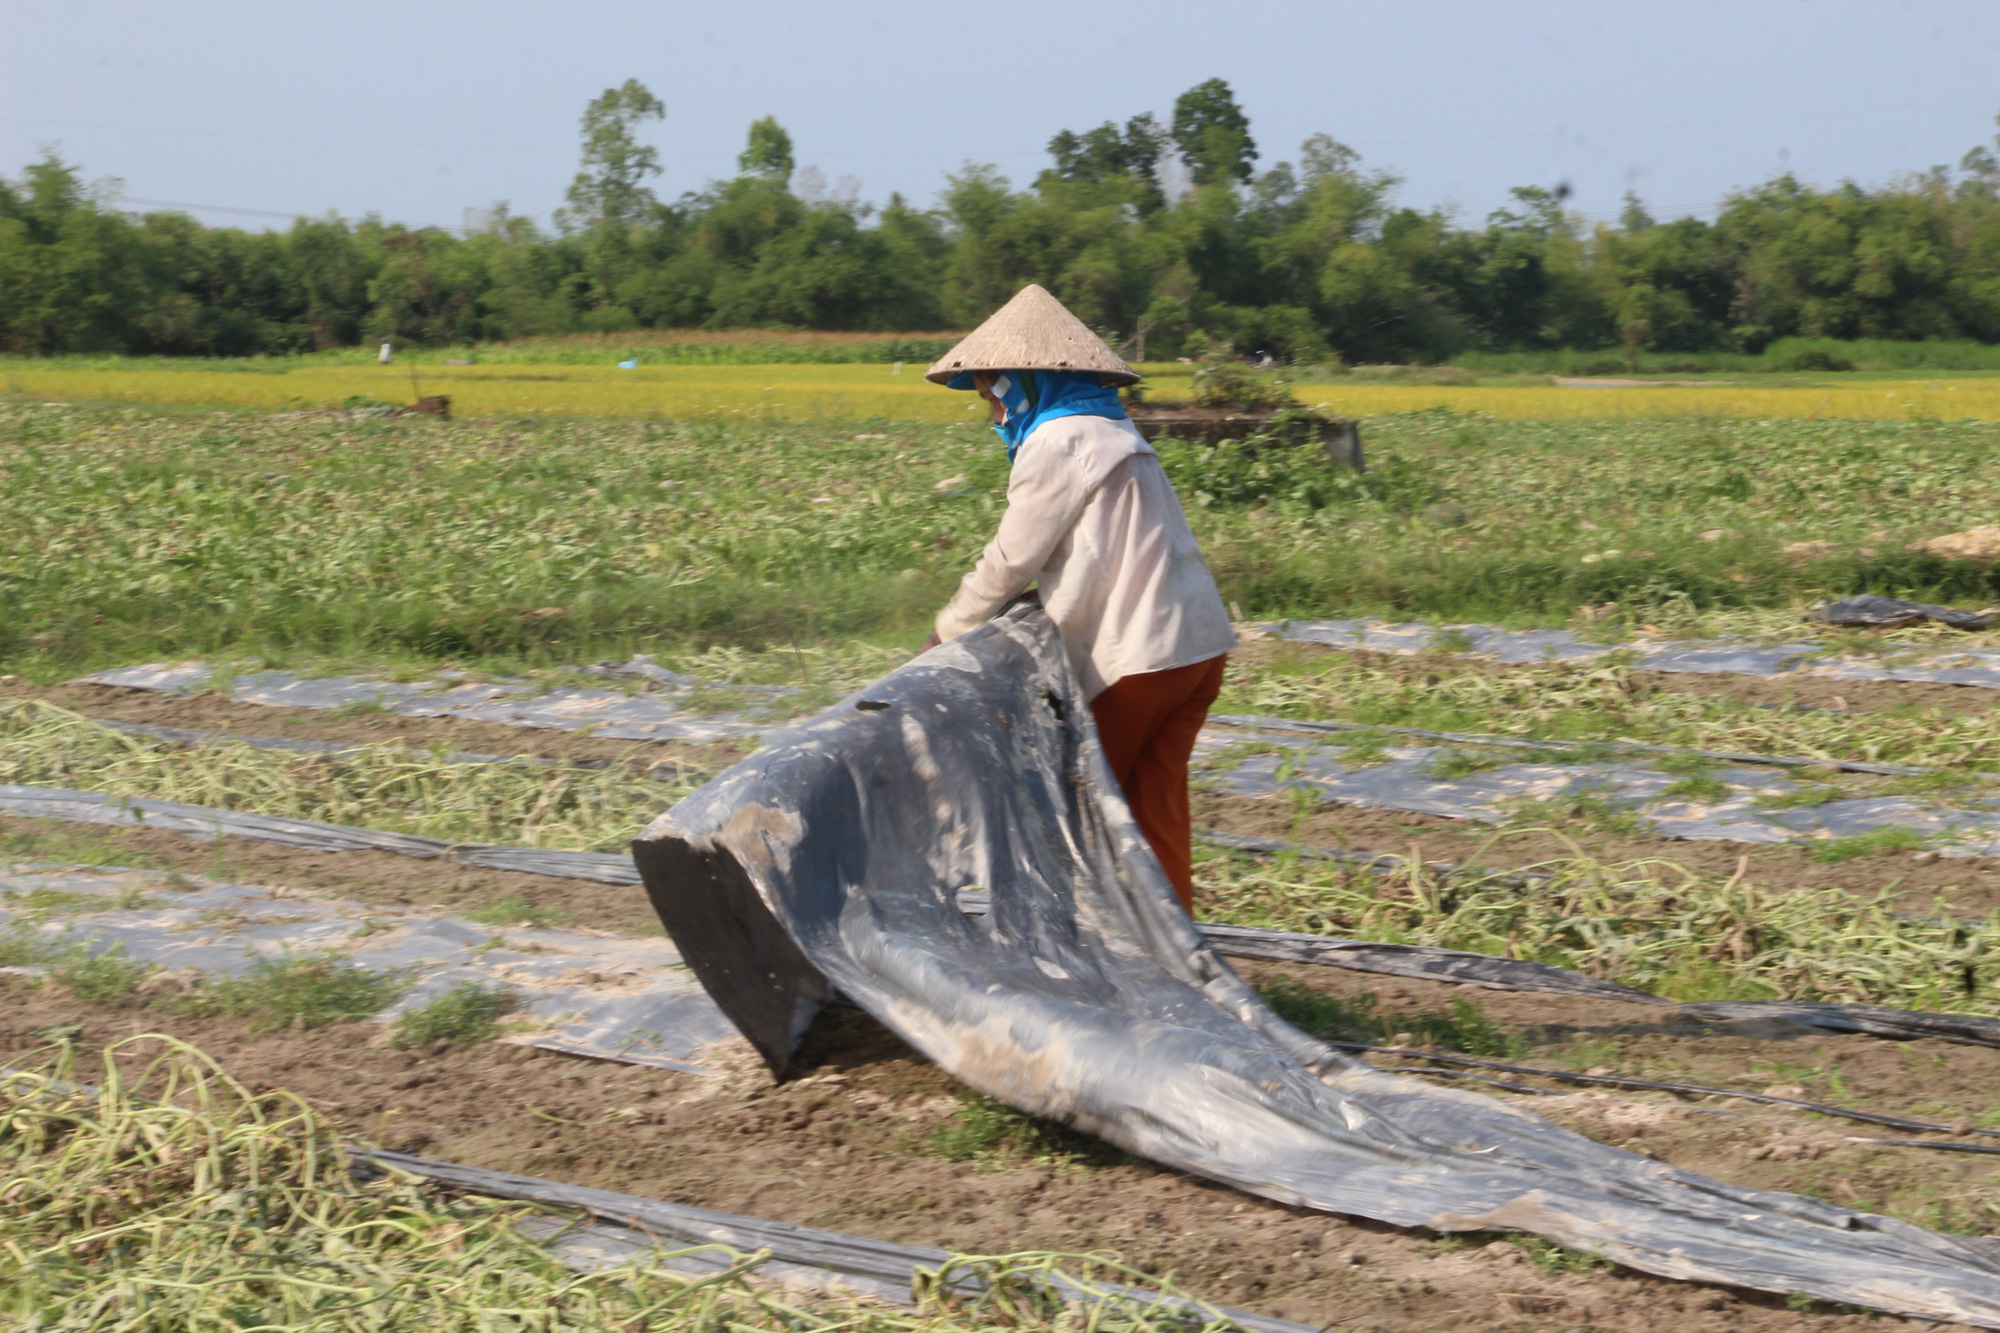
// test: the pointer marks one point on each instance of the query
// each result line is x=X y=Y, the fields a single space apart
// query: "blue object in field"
x=628 y=365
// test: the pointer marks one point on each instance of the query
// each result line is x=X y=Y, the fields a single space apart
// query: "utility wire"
x=206 y=208
x=1566 y=133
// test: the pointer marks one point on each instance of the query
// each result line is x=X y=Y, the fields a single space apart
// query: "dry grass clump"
x=170 y=1197
x=1597 y=700
x=376 y=786
x=1654 y=924
x=1976 y=543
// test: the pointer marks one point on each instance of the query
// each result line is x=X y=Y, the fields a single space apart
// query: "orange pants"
x=1147 y=724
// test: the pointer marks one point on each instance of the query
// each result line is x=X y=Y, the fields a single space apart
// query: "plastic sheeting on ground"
x=1736 y=657
x=833 y=859
x=200 y=821
x=190 y=737
x=664 y=713
x=585 y=992
x=1871 y=612
x=800 y=1256
x=1402 y=782
x=1447 y=965
x=1407 y=778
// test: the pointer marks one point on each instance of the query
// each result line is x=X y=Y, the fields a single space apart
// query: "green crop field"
x=670 y=383
x=142 y=533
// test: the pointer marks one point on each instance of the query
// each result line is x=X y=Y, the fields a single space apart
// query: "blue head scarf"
x=1031 y=397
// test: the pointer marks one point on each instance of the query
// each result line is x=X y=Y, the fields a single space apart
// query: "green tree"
x=769 y=152
x=1213 y=134
x=73 y=274
x=610 y=190
x=1634 y=217
x=1108 y=153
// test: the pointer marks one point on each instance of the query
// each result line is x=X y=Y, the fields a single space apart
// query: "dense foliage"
x=1163 y=235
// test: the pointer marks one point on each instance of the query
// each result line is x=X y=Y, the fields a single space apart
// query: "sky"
x=249 y=114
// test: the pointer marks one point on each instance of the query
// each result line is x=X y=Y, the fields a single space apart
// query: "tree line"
x=1165 y=235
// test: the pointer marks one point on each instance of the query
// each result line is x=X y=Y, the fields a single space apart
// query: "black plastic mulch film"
x=832 y=861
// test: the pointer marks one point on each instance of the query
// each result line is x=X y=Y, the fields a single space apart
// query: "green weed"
x=1702 y=790
x=1875 y=842
x=467 y=1013
x=71 y=844
x=1800 y=798
x=1450 y=765
x=1584 y=808
x=107 y=977
x=1683 y=765
x=1464 y=1027
x=993 y=1136
x=1698 y=979
x=41 y=902
x=20 y=948
x=518 y=910
x=306 y=991
x=1321 y=1014
x=1448 y=642
x=1363 y=756
x=1553 y=1258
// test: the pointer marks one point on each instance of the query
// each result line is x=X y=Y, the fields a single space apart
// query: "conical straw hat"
x=1034 y=331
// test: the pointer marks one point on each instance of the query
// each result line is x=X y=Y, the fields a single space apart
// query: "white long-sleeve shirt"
x=1092 y=519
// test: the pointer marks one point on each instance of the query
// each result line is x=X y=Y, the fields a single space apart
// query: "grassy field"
x=831 y=392
x=144 y=534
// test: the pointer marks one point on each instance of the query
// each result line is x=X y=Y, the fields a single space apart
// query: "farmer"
x=1093 y=521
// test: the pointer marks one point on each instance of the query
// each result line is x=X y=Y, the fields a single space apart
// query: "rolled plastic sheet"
x=832 y=861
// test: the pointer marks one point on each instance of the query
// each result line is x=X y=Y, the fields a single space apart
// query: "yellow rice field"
x=860 y=392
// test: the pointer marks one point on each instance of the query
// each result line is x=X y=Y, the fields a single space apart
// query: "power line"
x=258 y=212
x=1730 y=123
x=1727 y=123
x=286 y=138
x=206 y=208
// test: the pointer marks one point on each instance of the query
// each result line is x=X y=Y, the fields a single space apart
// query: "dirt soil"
x=849 y=1144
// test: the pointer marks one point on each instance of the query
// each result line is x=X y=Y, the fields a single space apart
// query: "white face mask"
x=1001 y=388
